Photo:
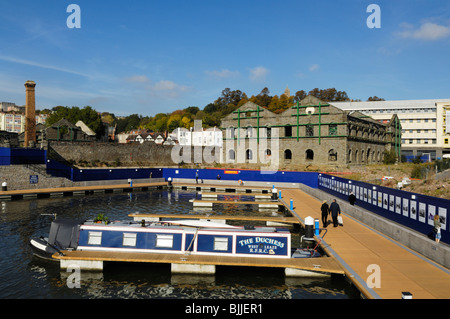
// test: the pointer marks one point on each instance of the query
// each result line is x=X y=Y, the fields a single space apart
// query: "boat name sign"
x=261 y=245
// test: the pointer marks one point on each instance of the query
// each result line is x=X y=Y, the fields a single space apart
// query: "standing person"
x=335 y=211
x=196 y=177
x=437 y=228
x=325 y=212
x=352 y=198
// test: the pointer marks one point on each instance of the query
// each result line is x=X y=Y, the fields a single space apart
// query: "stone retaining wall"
x=90 y=153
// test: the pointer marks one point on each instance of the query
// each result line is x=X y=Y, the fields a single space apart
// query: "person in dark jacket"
x=352 y=198
x=335 y=211
x=325 y=212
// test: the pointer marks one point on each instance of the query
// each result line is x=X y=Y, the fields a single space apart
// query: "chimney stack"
x=30 y=114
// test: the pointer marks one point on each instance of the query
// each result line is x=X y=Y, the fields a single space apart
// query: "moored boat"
x=168 y=237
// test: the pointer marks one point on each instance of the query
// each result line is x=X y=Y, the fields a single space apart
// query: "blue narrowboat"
x=170 y=237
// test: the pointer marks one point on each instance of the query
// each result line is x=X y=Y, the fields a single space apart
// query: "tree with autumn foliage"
x=229 y=100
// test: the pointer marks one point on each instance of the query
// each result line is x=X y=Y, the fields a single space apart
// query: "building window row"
x=402 y=110
x=249 y=131
x=287 y=155
x=430 y=120
x=419 y=141
x=419 y=131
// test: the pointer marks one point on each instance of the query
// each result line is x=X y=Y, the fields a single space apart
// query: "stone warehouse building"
x=311 y=132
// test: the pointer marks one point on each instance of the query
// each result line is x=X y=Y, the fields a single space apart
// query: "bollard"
x=317 y=230
x=4 y=186
x=309 y=227
x=274 y=194
x=291 y=206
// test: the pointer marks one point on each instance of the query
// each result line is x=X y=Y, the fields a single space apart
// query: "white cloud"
x=258 y=74
x=314 y=67
x=224 y=73
x=40 y=65
x=428 y=31
x=167 y=88
x=163 y=88
x=137 y=79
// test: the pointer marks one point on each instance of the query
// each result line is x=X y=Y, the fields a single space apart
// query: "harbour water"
x=26 y=276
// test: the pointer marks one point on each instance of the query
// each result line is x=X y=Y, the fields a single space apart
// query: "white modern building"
x=198 y=137
x=425 y=123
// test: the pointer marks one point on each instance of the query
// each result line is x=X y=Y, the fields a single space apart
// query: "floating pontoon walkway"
x=185 y=263
x=223 y=186
x=210 y=203
x=368 y=256
x=229 y=194
x=78 y=190
x=273 y=219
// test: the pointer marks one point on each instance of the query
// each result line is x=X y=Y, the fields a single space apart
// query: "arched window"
x=267 y=152
x=231 y=155
x=268 y=131
x=287 y=154
x=248 y=154
x=332 y=155
x=349 y=156
x=230 y=132
x=309 y=155
x=249 y=132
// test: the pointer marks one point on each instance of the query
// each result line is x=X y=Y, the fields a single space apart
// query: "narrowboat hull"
x=169 y=237
x=41 y=248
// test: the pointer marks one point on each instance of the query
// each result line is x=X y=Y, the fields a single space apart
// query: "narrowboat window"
x=129 y=239
x=95 y=238
x=220 y=243
x=164 y=241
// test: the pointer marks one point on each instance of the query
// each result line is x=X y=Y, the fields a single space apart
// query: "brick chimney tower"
x=30 y=114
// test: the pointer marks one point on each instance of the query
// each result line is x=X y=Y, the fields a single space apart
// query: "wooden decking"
x=21 y=193
x=356 y=246
x=212 y=202
x=215 y=194
x=275 y=219
x=325 y=264
x=233 y=187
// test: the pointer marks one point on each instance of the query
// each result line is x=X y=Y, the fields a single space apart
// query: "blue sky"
x=148 y=57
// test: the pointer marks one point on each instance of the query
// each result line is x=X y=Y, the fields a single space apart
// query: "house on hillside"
x=63 y=130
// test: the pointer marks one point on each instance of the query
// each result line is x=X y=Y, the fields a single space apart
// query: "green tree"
x=192 y=110
x=263 y=98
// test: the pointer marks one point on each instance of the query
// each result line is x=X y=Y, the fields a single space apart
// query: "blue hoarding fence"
x=412 y=210
x=58 y=169
x=18 y=156
x=307 y=178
